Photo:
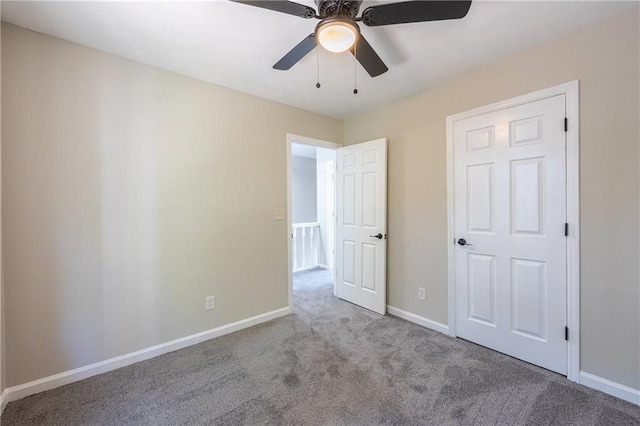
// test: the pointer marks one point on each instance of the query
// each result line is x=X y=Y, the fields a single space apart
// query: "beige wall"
x=130 y=194
x=605 y=60
x=304 y=188
x=2 y=332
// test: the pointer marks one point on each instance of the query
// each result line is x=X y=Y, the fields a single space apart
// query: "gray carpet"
x=329 y=363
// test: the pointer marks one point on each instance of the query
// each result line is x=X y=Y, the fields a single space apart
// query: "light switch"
x=279 y=214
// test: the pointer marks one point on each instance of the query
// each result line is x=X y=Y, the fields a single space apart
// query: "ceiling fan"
x=338 y=28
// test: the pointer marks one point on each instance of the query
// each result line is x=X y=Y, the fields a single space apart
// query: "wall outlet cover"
x=209 y=303
x=279 y=214
x=422 y=293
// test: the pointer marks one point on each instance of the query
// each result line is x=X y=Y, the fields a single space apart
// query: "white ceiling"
x=235 y=45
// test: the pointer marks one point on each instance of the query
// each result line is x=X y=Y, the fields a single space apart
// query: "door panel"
x=348 y=263
x=480 y=139
x=369 y=200
x=361 y=257
x=510 y=206
x=527 y=195
x=349 y=199
x=482 y=288
x=480 y=198
x=369 y=252
x=529 y=293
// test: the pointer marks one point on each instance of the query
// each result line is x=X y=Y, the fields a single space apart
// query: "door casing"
x=571 y=91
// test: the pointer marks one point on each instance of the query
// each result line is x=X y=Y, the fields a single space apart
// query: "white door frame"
x=291 y=138
x=571 y=91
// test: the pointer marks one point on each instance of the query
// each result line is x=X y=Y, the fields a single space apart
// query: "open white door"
x=361 y=249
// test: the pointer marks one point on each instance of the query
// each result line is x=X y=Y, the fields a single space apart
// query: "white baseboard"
x=612 y=388
x=17 y=392
x=308 y=268
x=4 y=400
x=417 y=319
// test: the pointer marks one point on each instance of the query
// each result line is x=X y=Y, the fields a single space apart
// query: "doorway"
x=311 y=203
x=513 y=227
x=353 y=243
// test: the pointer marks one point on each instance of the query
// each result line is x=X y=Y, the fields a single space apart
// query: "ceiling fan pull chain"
x=318 y=67
x=355 y=69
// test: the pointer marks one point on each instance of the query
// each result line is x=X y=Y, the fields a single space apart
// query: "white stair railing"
x=306 y=246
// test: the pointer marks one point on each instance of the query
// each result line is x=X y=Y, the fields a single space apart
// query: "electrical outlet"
x=422 y=293
x=209 y=303
x=279 y=214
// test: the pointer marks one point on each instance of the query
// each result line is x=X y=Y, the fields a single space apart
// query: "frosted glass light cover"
x=337 y=37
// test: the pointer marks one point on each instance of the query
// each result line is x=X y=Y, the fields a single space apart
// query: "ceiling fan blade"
x=283 y=6
x=368 y=57
x=414 y=11
x=297 y=53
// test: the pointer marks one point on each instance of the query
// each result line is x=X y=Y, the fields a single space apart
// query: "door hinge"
x=566 y=124
x=566 y=333
x=566 y=229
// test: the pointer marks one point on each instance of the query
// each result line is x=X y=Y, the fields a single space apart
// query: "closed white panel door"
x=361 y=249
x=510 y=214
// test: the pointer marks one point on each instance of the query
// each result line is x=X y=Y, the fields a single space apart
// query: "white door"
x=361 y=248
x=510 y=209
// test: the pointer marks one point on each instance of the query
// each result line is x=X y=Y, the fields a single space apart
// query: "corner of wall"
x=2 y=333
x=638 y=136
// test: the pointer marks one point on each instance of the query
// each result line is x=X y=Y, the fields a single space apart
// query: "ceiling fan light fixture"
x=337 y=35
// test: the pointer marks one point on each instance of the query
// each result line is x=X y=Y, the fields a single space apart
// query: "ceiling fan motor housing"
x=338 y=8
